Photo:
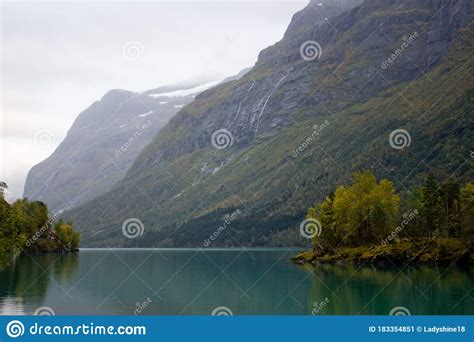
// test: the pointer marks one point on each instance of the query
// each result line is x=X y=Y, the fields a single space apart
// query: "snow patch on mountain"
x=145 y=114
x=187 y=92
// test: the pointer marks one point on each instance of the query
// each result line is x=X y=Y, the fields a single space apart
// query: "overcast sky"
x=57 y=58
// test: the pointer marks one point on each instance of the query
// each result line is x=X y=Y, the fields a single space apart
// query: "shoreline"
x=63 y=251
x=444 y=251
x=210 y=249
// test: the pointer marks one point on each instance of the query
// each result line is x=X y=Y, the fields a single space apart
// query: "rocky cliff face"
x=102 y=144
x=353 y=44
x=317 y=106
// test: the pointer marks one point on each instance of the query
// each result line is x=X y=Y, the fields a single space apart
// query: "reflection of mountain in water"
x=192 y=282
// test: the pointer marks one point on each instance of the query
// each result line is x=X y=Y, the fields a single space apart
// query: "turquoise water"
x=252 y=281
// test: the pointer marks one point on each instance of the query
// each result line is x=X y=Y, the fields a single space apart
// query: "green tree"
x=323 y=212
x=31 y=217
x=67 y=238
x=362 y=213
x=26 y=226
x=467 y=211
x=3 y=186
x=416 y=228
x=450 y=209
x=430 y=206
x=11 y=237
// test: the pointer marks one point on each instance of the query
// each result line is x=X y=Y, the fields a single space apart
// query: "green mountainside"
x=300 y=127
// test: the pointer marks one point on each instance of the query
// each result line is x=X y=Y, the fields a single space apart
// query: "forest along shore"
x=420 y=251
x=361 y=223
x=28 y=227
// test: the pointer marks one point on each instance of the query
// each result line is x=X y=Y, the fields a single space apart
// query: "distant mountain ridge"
x=102 y=143
x=337 y=109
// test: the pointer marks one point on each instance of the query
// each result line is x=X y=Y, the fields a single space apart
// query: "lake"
x=241 y=281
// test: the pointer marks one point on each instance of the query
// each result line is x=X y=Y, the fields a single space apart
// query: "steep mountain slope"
x=103 y=142
x=296 y=125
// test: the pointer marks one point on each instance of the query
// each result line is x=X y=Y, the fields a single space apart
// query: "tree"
x=3 y=186
x=450 y=208
x=11 y=237
x=5 y=213
x=67 y=238
x=367 y=212
x=324 y=213
x=31 y=217
x=466 y=198
x=362 y=213
x=26 y=226
x=430 y=206
x=385 y=210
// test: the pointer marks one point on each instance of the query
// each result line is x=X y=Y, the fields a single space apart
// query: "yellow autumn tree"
x=362 y=213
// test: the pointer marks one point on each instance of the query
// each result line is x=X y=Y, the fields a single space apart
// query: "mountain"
x=103 y=142
x=384 y=85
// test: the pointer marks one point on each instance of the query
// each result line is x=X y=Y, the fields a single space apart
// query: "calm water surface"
x=190 y=282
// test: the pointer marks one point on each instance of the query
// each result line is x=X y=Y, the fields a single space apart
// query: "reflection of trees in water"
x=24 y=278
x=375 y=290
x=65 y=267
x=30 y=276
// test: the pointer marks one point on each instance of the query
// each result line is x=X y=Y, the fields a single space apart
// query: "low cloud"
x=59 y=57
